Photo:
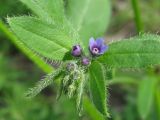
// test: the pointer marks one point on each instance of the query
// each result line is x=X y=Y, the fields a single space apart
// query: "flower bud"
x=76 y=50
x=85 y=61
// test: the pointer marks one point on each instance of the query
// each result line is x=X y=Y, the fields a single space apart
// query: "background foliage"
x=132 y=95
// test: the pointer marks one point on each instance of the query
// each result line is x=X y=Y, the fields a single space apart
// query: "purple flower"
x=85 y=61
x=76 y=50
x=97 y=47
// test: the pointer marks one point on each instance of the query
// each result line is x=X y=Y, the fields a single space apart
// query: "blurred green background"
x=132 y=93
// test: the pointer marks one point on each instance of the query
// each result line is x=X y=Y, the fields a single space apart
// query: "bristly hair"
x=54 y=63
x=32 y=92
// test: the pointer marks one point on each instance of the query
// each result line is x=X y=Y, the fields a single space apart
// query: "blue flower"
x=76 y=50
x=97 y=47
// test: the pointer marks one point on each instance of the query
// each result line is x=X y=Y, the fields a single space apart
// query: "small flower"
x=76 y=50
x=85 y=61
x=97 y=47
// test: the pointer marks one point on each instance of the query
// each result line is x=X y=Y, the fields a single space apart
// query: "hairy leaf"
x=50 y=41
x=32 y=92
x=98 y=86
x=90 y=17
x=49 y=10
x=136 y=52
x=145 y=96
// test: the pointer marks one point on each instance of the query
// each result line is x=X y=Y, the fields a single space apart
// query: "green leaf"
x=48 y=10
x=136 y=52
x=145 y=96
x=89 y=17
x=50 y=41
x=98 y=87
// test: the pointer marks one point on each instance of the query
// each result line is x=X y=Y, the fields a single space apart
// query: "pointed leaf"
x=90 y=17
x=50 y=41
x=136 y=52
x=98 y=86
x=145 y=96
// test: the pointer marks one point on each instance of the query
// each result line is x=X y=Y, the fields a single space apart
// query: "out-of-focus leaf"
x=123 y=80
x=49 y=10
x=9 y=7
x=136 y=52
x=89 y=17
x=145 y=96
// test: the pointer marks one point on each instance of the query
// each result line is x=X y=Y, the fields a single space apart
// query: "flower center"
x=95 y=50
x=75 y=48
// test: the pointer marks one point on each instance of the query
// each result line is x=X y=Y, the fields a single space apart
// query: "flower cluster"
x=96 y=47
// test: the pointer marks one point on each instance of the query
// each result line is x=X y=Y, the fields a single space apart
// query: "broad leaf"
x=145 y=96
x=98 y=86
x=50 y=41
x=90 y=17
x=136 y=52
x=49 y=10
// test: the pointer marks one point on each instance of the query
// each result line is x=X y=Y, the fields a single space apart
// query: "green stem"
x=37 y=60
x=137 y=16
